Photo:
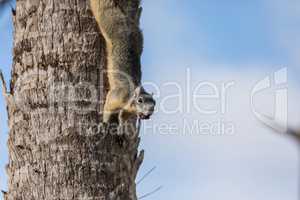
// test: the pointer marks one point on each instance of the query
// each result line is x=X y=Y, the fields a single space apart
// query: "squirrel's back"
x=118 y=21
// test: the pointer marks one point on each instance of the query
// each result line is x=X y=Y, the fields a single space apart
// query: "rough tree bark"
x=57 y=91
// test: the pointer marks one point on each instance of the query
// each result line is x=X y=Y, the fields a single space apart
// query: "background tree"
x=57 y=91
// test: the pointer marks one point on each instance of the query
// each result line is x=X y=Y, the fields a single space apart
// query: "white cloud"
x=253 y=163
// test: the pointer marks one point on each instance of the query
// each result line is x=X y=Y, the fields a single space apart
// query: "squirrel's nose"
x=151 y=109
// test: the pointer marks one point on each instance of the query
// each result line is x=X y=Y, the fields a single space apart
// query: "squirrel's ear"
x=137 y=91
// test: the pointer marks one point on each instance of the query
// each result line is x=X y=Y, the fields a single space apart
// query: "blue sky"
x=219 y=42
x=5 y=64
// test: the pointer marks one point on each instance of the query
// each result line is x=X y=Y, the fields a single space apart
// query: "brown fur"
x=118 y=22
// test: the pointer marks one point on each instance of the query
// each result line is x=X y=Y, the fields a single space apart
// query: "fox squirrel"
x=118 y=21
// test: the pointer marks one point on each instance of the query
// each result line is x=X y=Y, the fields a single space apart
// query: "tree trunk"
x=57 y=150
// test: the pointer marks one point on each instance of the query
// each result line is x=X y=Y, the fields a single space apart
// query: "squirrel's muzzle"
x=147 y=114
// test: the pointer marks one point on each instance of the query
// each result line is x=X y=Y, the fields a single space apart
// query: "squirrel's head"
x=143 y=102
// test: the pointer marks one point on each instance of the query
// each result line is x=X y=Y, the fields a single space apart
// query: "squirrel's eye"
x=140 y=100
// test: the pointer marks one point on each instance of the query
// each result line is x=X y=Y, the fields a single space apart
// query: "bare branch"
x=289 y=132
x=145 y=176
x=150 y=193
